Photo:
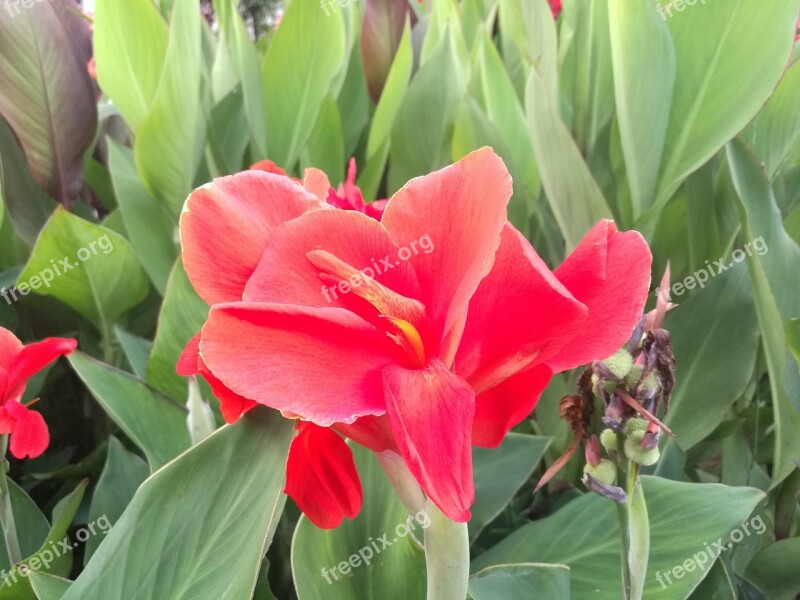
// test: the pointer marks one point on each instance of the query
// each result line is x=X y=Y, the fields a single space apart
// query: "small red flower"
x=18 y=363
x=556 y=7
x=348 y=196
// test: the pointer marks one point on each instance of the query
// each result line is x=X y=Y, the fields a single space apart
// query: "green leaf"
x=776 y=302
x=774 y=569
x=46 y=94
x=325 y=149
x=707 y=386
x=122 y=475
x=551 y=582
x=183 y=314
x=32 y=525
x=130 y=42
x=136 y=349
x=499 y=474
x=644 y=75
x=574 y=196
x=154 y=422
x=151 y=230
x=793 y=337
x=584 y=536
x=389 y=104
x=777 y=127
x=302 y=60
x=320 y=556
x=48 y=587
x=90 y=268
x=199 y=527
x=730 y=56
x=169 y=144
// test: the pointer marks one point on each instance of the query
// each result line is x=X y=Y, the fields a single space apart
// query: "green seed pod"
x=609 y=440
x=620 y=364
x=637 y=454
x=636 y=424
x=605 y=471
x=633 y=376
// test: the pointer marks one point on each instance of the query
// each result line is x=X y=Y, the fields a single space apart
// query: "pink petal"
x=507 y=405
x=10 y=347
x=226 y=224
x=32 y=359
x=29 y=436
x=321 y=477
x=609 y=272
x=460 y=212
x=321 y=364
x=371 y=432
x=317 y=182
x=516 y=317
x=285 y=273
x=189 y=360
x=431 y=412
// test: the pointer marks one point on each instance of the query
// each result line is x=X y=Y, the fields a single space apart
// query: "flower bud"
x=633 y=376
x=608 y=438
x=620 y=364
x=635 y=451
x=636 y=424
x=605 y=471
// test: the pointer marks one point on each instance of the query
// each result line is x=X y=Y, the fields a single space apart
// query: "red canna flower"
x=348 y=196
x=18 y=363
x=424 y=356
x=555 y=6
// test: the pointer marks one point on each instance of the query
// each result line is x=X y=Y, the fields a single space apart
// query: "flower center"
x=409 y=339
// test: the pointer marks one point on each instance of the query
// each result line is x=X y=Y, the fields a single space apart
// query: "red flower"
x=18 y=363
x=348 y=196
x=555 y=6
x=446 y=347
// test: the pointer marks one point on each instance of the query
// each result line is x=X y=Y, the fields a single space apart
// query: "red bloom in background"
x=348 y=196
x=438 y=351
x=555 y=6
x=18 y=363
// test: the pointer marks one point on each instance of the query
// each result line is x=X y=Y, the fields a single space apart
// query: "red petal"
x=460 y=211
x=371 y=432
x=322 y=364
x=231 y=405
x=189 y=360
x=267 y=166
x=317 y=182
x=321 y=476
x=517 y=316
x=10 y=347
x=507 y=405
x=609 y=272
x=32 y=359
x=226 y=224
x=431 y=412
x=29 y=436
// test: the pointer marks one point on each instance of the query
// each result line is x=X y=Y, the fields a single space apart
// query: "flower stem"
x=6 y=510
x=635 y=533
x=447 y=556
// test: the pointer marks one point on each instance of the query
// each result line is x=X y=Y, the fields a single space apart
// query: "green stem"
x=446 y=555
x=6 y=510
x=638 y=534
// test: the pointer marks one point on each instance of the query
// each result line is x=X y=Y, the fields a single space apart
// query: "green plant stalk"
x=785 y=506
x=446 y=556
x=634 y=529
x=7 y=522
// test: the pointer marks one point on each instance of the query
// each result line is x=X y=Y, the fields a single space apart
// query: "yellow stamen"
x=409 y=339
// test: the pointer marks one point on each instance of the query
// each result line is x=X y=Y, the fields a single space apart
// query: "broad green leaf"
x=46 y=94
x=774 y=569
x=48 y=587
x=550 y=582
x=200 y=526
x=353 y=103
x=122 y=475
x=154 y=422
x=729 y=56
x=32 y=525
x=302 y=60
x=776 y=129
x=136 y=349
x=420 y=140
x=477 y=15
x=26 y=204
x=499 y=474
x=381 y=127
x=170 y=141
x=130 y=42
x=775 y=301
x=381 y=35
x=575 y=199
x=87 y=267
x=228 y=134
x=247 y=69
x=584 y=536
x=149 y=226
x=325 y=149
x=183 y=314
x=793 y=337
x=374 y=556
x=714 y=329
x=644 y=74
x=718 y=585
